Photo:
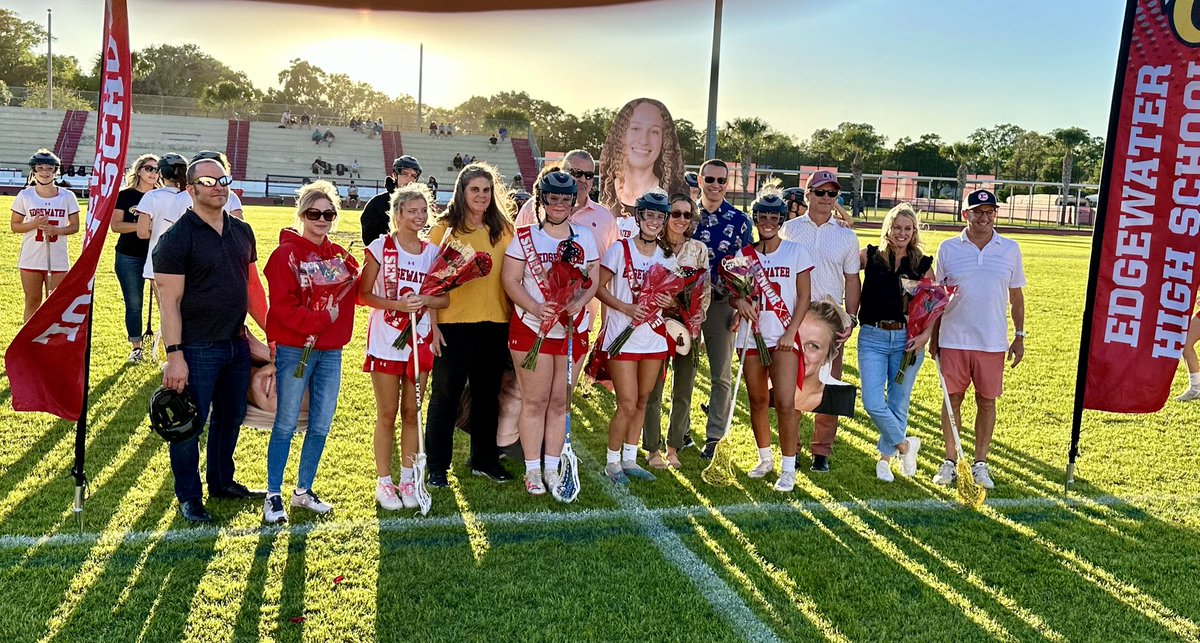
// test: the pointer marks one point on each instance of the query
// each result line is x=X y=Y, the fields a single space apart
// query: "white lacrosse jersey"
x=547 y=251
x=410 y=271
x=645 y=340
x=164 y=206
x=626 y=227
x=781 y=268
x=39 y=250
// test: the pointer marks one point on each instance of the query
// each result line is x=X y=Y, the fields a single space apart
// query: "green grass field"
x=845 y=557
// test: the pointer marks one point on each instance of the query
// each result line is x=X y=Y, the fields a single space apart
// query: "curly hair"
x=498 y=217
x=131 y=176
x=401 y=196
x=668 y=167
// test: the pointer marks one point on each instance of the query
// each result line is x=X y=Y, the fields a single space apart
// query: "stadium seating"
x=436 y=154
x=25 y=130
x=157 y=134
x=290 y=152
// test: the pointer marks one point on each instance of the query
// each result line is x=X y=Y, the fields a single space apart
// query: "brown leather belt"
x=889 y=325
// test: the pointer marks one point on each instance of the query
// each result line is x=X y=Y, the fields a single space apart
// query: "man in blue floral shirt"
x=725 y=230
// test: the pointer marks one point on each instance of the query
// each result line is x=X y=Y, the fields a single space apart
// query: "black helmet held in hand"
x=173 y=415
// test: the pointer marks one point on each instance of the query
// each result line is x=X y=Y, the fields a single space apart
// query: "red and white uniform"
x=547 y=253
x=407 y=273
x=780 y=268
x=164 y=206
x=40 y=250
x=646 y=339
x=627 y=227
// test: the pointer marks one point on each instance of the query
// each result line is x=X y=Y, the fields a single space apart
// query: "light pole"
x=420 y=84
x=710 y=140
x=49 y=63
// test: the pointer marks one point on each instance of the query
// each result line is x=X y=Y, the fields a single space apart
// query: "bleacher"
x=155 y=134
x=437 y=155
x=277 y=151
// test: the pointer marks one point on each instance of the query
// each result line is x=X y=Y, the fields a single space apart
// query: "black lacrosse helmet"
x=769 y=204
x=520 y=197
x=557 y=182
x=406 y=161
x=692 y=179
x=207 y=155
x=173 y=415
x=656 y=201
x=794 y=195
x=44 y=157
x=172 y=167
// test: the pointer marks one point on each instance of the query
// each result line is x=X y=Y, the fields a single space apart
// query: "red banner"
x=45 y=361
x=1144 y=267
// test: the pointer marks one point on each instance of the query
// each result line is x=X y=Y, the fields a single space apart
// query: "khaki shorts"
x=961 y=368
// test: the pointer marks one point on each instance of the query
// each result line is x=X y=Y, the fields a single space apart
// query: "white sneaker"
x=273 y=513
x=908 y=461
x=552 y=482
x=385 y=495
x=764 y=467
x=534 y=484
x=883 y=471
x=945 y=475
x=786 y=481
x=408 y=495
x=979 y=471
x=1189 y=395
x=309 y=500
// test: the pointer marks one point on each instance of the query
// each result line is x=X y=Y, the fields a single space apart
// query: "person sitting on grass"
x=44 y=214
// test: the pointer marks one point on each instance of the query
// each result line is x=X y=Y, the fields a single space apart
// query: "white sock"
x=385 y=480
x=1194 y=379
x=765 y=455
x=552 y=462
x=407 y=474
x=533 y=465
x=629 y=452
x=789 y=463
x=613 y=457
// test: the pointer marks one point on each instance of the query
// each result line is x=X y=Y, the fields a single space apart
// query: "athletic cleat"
x=633 y=471
x=135 y=355
x=883 y=471
x=786 y=482
x=710 y=447
x=309 y=500
x=615 y=473
x=385 y=495
x=764 y=467
x=1189 y=395
x=979 y=471
x=553 y=483
x=946 y=475
x=908 y=461
x=273 y=513
x=534 y=484
x=687 y=441
x=408 y=495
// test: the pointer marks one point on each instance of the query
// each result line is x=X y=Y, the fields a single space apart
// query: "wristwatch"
x=1019 y=333
x=173 y=348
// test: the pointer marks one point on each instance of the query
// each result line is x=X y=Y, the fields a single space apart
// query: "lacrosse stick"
x=568 y=465
x=969 y=491
x=420 y=493
x=719 y=472
x=148 y=336
x=49 y=269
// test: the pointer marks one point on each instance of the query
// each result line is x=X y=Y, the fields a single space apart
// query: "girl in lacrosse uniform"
x=780 y=308
x=638 y=366
x=545 y=392
x=393 y=272
x=45 y=215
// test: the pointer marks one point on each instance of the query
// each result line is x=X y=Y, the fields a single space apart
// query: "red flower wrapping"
x=659 y=280
x=566 y=283
x=738 y=273
x=324 y=283
x=457 y=264
x=928 y=302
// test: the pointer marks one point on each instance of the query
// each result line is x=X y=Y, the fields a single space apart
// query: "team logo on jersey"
x=1185 y=20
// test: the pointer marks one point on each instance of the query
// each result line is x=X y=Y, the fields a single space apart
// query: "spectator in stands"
x=131 y=250
x=329 y=137
x=321 y=167
x=442 y=131
x=376 y=215
x=433 y=185
x=355 y=170
x=352 y=195
x=376 y=129
x=503 y=132
x=432 y=129
x=285 y=120
x=304 y=119
x=492 y=143
x=457 y=162
x=317 y=137
x=449 y=129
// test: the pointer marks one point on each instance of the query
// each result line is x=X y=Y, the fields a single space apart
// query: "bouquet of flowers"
x=324 y=283
x=690 y=301
x=928 y=302
x=738 y=273
x=659 y=280
x=457 y=264
x=566 y=283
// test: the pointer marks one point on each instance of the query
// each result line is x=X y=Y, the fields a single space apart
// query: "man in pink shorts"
x=971 y=339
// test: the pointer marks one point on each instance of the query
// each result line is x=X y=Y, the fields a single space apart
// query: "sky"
x=907 y=67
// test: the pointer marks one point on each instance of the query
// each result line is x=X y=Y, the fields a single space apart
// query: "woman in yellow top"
x=474 y=329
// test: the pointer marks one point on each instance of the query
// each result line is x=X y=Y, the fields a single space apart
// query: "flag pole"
x=77 y=471
x=1089 y=302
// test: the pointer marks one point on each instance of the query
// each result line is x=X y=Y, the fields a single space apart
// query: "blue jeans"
x=879 y=355
x=218 y=379
x=129 y=275
x=322 y=379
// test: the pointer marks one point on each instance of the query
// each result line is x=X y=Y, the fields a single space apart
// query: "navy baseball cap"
x=981 y=197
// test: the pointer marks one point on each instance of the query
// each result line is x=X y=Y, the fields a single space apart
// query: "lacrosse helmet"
x=44 y=157
x=406 y=161
x=794 y=195
x=173 y=415
x=656 y=201
x=172 y=167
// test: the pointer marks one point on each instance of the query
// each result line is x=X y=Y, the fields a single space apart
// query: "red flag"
x=45 y=361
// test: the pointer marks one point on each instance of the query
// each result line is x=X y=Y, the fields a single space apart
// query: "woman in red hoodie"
x=291 y=320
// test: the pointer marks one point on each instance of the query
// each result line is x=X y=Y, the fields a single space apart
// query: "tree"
x=179 y=70
x=230 y=99
x=745 y=137
x=64 y=97
x=691 y=141
x=507 y=118
x=301 y=85
x=964 y=155
x=18 y=40
x=849 y=140
x=5 y=95
x=923 y=156
x=543 y=116
x=1068 y=140
x=996 y=144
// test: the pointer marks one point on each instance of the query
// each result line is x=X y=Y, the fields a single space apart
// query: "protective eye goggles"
x=768 y=217
x=209 y=182
x=312 y=214
x=557 y=199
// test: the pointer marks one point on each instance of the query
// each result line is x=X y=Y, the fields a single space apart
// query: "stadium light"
x=710 y=139
x=49 y=63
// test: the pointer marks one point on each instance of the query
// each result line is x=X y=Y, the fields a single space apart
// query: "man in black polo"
x=377 y=214
x=201 y=266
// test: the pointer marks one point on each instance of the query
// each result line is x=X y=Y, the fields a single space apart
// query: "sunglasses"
x=149 y=168
x=581 y=174
x=209 y=182
x=824 y=192
x=313 y=214
x=719 y=179
x=681 y=214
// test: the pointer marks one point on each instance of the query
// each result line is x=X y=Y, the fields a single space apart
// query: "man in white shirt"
x=970 y=341
x=834 y=252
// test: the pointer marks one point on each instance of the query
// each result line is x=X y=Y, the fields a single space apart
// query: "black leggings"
x=476 y=353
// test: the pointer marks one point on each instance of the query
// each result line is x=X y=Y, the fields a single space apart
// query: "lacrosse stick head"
x=969 y=491
x=719 y=472
x=568 y=476
x=420 y=492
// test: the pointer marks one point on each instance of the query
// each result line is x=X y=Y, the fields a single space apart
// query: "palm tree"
x=747 y=136
x=1069 y=139
x=964 y=155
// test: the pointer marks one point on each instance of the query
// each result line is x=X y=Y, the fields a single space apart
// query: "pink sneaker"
x=385 y=495
x=408 y=494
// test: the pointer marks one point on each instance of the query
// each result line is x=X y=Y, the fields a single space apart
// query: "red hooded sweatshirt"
x=290 y=318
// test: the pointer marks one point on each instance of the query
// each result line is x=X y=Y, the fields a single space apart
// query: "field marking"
x=536 y=518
